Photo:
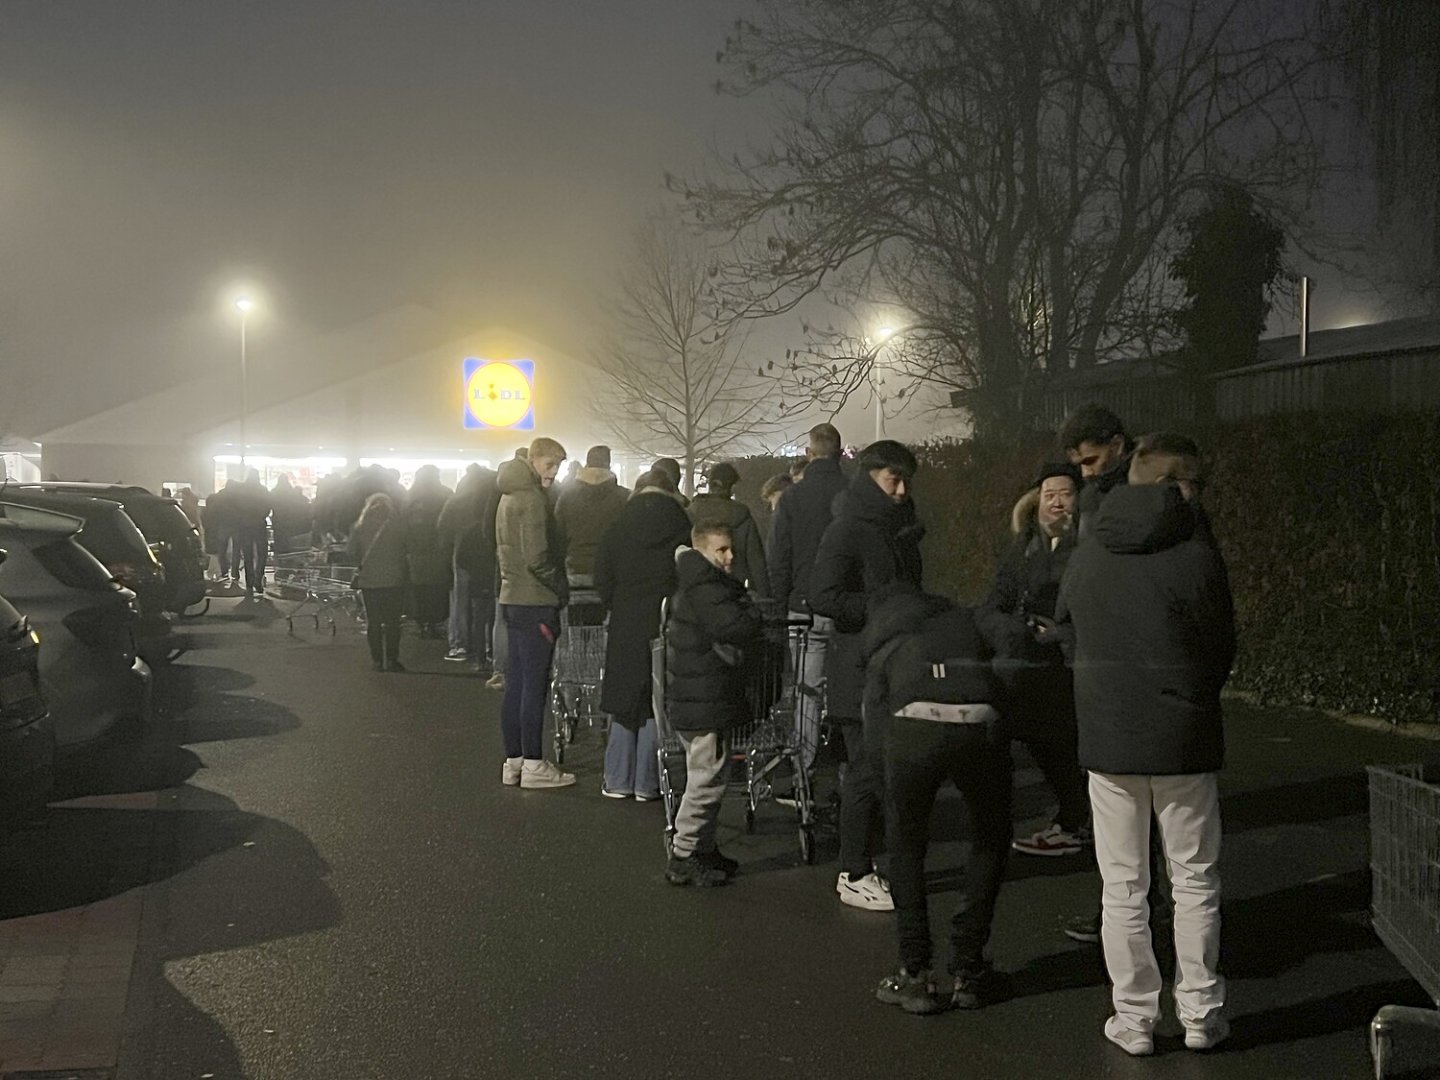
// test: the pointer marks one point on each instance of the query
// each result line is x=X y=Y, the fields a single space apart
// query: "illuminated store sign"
x=500 y=394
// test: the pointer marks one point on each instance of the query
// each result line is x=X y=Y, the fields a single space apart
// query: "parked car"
x=173 y=540
x=111 y=536
x=27 y=737
x=90 y=673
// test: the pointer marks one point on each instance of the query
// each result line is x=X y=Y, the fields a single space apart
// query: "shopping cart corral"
x=767 y=740
x=1405 y=900
x=578 y=671
x=319 y=583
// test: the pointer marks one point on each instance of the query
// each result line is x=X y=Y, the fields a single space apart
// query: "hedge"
x=1330 y=525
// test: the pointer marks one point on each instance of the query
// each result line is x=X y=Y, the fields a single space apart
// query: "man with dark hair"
x=801 y=519
x=585 y=510
x=719 y=504
x=872 y=543
x=1094 y=439
x=668 y=466
x=1151 y=735
x=1020 y=604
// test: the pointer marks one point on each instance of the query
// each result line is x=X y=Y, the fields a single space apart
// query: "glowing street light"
x=244 y=305
x=882 y=335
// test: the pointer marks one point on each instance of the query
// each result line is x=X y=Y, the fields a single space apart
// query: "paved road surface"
x=334 y=884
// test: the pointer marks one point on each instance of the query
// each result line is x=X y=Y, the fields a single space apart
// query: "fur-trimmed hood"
x=593 y=475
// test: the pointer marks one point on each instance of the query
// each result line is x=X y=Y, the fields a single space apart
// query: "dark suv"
x=173 y=540
x=90 y=673
x=27 y=740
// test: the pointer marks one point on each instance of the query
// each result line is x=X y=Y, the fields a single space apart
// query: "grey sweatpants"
x=706 y=758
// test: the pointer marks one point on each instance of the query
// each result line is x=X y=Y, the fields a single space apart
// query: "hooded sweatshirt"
x=532 y=571
x=1154 y=631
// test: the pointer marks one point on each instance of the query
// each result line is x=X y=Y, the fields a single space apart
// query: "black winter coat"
x=749 y=566
x=873 y=542
x=905 y=640
x=586 y=508
x=1154 y=626
x=801 y=518
x=1040 y=685
x=713 y=630
x=634 y=573
x=1093 y=491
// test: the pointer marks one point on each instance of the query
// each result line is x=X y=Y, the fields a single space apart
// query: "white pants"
x=1188 y=809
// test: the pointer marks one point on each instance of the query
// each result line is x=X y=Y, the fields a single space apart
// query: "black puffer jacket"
x=1093 y=493
x=712 y=625
x=872 y=543
x=924 y=648
x=1154 y=627
x=801 y=519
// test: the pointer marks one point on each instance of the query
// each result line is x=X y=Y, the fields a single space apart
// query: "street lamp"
x=244 y=305
x=882 y=335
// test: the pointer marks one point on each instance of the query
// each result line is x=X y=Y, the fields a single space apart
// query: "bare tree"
x=1010 y=172
x=677 y=380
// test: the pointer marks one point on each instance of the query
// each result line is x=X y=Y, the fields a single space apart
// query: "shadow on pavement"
x=1322 y=799
x=1343 y=1011
x=1268 y=935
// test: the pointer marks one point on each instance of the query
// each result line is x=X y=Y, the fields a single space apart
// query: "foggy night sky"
x=487 y=159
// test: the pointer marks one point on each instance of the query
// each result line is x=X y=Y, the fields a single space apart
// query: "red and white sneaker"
x=1055 y=841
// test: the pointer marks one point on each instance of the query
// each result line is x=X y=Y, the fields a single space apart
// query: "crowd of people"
x=1102 y=645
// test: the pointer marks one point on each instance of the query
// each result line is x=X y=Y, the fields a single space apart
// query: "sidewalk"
x=65 y=973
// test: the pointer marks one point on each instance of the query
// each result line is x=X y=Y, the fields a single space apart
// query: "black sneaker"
x=395 y=665
x=1084 y=928
x=916 y=994
x=719 y=861
x=694 y=871
x=975 y=991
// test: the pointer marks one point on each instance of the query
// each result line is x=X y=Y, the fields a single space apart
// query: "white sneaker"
x=510 y=773
x=1208 y=1035
x=543 y=774
x=870 y=893
x=1133 y=1042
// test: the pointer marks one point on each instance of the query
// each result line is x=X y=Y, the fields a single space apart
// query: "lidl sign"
x=499 y=394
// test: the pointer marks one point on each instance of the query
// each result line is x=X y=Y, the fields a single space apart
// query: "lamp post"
x=244 y=305
x=881 y=337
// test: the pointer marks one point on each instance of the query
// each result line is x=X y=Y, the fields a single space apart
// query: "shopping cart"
x=578 y=671
x=1405 y=901
x=759 y=747
x=318 y=583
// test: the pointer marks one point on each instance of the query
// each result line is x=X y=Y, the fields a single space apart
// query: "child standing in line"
x=711 y=625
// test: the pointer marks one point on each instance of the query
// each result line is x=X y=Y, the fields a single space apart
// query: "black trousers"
x=1042 y=716
x=862 y=799
x=383 y=608
x=920 y=755
x=252 y=543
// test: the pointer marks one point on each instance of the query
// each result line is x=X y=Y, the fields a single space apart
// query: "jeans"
x=532 y=631
x=500 y=642
x=472 y=618
x=920 y=755
x=631 y=767
x=229 y=548
x=383 y=608
x=862 y=798
x=1188 y=811
x=810 y=684
x=696 y=822
x=252 y=550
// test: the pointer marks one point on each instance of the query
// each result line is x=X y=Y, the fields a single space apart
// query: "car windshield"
x=159 y=519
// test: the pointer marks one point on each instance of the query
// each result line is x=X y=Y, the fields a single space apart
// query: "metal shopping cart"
x=318 y=583
x=767 y=740
x=578 y=671
x=1405 y=902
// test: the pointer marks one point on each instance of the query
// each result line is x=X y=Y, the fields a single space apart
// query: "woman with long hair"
x=377 y=543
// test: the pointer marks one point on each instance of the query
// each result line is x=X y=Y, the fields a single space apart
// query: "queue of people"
x=1102 y=644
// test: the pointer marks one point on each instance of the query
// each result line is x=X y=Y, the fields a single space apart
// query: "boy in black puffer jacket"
x=931 y=688
x=712 y=623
